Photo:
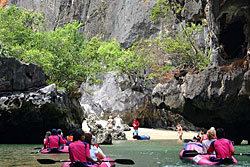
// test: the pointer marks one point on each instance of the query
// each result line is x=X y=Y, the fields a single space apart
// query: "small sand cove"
x=155 y=134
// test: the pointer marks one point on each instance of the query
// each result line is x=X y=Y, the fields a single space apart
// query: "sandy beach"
x=155 y=134
x=160 y=134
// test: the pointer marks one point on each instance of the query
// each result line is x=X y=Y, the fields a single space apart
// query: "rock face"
x=127 y=21
x=103 y=135
x=129 y=98
x=27 y=112
x=15 y=76
x=211 y=98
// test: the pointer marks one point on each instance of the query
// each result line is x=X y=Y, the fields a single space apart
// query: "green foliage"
x=69 y=58
x=160 y=10
x=178 y=45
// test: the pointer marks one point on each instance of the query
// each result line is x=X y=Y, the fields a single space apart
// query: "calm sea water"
x=152 y=153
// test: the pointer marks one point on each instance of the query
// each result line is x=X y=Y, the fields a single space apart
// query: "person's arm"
x=100 y=154
x=93 y=161
x=46 y=142
x=231 y=148
x=210 y=150
x=88 y=158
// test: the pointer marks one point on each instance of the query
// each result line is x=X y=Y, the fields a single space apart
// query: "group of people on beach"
x=83 y=149
x=117 y=122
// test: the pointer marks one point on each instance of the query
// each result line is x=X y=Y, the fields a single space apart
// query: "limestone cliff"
x=29 y=108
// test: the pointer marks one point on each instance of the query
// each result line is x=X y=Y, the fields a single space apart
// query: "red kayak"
x=104 y=164
x=65 y=149
x=193 y=148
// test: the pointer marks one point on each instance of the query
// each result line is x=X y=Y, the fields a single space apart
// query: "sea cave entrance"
x=232 y=38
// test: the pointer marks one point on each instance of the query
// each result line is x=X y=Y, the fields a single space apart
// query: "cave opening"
x=232 y=38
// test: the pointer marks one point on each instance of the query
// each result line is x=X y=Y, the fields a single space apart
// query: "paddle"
x=193 y=153
x=119 y=161
x=36 y=148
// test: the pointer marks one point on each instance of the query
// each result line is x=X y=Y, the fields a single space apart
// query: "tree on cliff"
x=68 y=57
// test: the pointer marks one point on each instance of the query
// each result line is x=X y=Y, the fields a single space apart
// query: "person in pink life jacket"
x=47 y=134
x=79 y=150
x=223 y=147
x=53 y=141
x=60 y=134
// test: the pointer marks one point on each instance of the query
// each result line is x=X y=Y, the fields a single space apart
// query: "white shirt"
x=93 y=151
x=118 y=122
x=206 y=144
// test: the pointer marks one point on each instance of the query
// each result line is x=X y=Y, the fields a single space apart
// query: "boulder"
x=17 y=76
x=28 y=109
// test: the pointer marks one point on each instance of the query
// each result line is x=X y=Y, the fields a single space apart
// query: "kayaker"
x=223 y=147
x=47 y=134
x=53 y=141
x=79 y=150
x=211 y=134
x=95 y=151
x=60 y=134
x=179 y=131
x=135 y=125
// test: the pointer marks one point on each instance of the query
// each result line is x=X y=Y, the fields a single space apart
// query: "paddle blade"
x=247 y=154
x=190 y=153
x=124 y=161
x=46 y=161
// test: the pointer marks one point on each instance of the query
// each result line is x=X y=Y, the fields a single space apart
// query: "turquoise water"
x=152 y=153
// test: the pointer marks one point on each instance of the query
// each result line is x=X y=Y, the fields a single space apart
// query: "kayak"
x=202 y=159
x=205 y=159
x=104 y=164
x=65 y=149
x=190 y=146
x=142 y=137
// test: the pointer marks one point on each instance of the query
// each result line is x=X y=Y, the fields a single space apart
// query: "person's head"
x=59 y=131
x=53 y=132
x=110 y=117
x=211 y=134
x=220 y=133
x=202 y=131
x=135 y=119
x=47 y=134
x=118 y=116
x=88 y=138
x=212 y=128
x=78 y=134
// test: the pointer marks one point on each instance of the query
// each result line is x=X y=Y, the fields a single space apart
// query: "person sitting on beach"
x=118 y=122
x=79 y=150
x=110 y=123
x=135 y=125
x=211 y=134
x=223 y=147
x=47 y=134
x=53 y=141
x=95 y=151
x=179 y=131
